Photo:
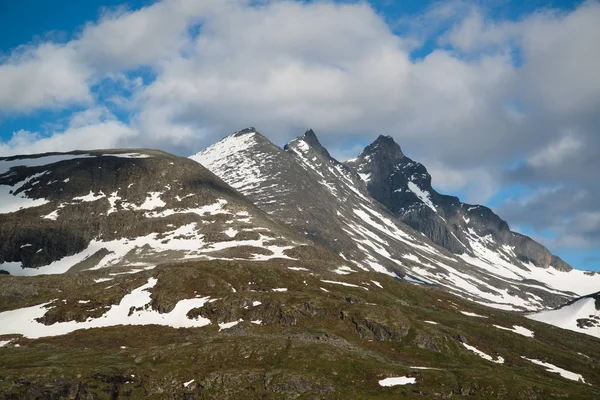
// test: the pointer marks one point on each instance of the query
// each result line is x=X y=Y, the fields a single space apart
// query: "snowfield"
x=23 y=321
x=557 y=370
x=486 y=273
x=566 y=317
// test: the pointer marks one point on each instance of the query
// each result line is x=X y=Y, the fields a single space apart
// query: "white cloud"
x=91 y=129
x=562 y=61
x=496 y=92
x=127 y=39
x=569 y=214
x=478 y=184
x=557 y=152
x=45 y=76
x=336 y=68
x=50 y=75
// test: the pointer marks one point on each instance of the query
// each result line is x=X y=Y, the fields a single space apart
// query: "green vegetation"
x=313 y=343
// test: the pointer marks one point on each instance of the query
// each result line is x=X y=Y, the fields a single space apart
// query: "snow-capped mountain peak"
x=405 y=187
x=351 y=209
x=308 y=142
x=120 y=208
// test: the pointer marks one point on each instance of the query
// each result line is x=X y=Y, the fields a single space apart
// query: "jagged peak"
x=245 y=131
x=385 y=138
x=248 y=135
x=388 y=143
x=311 y=138
x=384 y=147
x=310 y=141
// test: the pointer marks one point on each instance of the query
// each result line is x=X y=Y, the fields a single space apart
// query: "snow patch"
x=566 y=317
x=517 y=329
x=152 y=201
x=11 y=202
x=365 y=177
x=395 y=381
x=481 y=354
x=90 y=197
x=188 y=383
x=344 y=270
x=423 y=195
x=343 y=284
x=128 y=155
x=227 y=325
x=23 y=321
x=377 y=284
x=557 y=370
x=472 y=314
x=298 y=269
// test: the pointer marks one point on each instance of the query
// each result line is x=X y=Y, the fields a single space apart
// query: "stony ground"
x=316 y=340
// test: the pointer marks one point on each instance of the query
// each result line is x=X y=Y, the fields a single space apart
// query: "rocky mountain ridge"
x=329 y=202
x=404 y=187
x=64 y=212
x=153 y=277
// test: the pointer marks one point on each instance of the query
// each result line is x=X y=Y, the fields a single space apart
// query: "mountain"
x=314 y=194
x=286 y=329
x=473 y=232
x=330 y=203
x=404 y=187
x=150 y=277
x=66 y=212
x=579 y=315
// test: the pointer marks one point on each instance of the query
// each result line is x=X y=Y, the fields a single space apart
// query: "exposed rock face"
x=329 y=203
x=81 y=210
x=138 y=208
x=404 y=187
x=319 y=197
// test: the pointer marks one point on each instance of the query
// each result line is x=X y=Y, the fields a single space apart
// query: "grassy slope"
x=312 y=343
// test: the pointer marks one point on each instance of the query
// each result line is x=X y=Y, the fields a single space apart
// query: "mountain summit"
x=380 y=213
x=309 y=139
x=282 y=277
x=67 y=212
x=404 y=187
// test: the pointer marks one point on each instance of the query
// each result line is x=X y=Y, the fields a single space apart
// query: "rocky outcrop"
x=118 y=207
x=404 y=187
x=379 y=213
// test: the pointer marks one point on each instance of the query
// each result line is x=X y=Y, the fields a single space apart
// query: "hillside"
x=66 y=212
x=330 y=203
x=136 y=273
x=271 y=329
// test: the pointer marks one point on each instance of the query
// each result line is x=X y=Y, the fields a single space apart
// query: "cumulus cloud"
x=95 y=128
x=48 y=75
x=336 y=68
x=494 y=93
x=568 y=214
x=557 y=152
x=51 y=75
x=478 y=184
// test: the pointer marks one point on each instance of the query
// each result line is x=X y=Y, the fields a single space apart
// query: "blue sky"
x=498 y=98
